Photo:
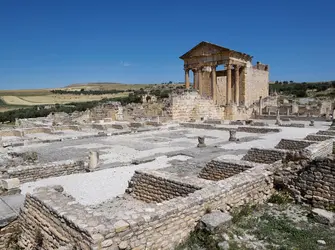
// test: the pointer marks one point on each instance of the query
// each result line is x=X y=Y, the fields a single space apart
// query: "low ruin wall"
x=313 y=180
x=217 y=170
x=163 y=226
x=67 y=127
x=293 y=144
x=35 y=172
x=293 y=125
x=154 y=188
x=8 y=234
x=37 y=130
x=43 y=228
x=258 y=130
x=266 y=156
x=326 y=132
x=318 y=137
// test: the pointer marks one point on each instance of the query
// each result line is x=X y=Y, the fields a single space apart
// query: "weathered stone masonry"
x=35 y=172
x=163 y=226
x=221 y=169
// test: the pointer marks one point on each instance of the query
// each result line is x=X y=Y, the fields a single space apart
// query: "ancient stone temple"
x=239 y=84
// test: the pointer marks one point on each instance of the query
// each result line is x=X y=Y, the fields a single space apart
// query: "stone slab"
x=7 y=214
x=15 y=202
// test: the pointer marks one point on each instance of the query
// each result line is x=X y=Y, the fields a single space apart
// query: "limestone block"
x=11 y=183
x=94 y=160
x=324 y=216
x=216 y=220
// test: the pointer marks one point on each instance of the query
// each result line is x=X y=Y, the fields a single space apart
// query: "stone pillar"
x=237 y=85
x=214 y=84
x=94 y=160
x=288 y=111
x=232 y=135
x=194 y=79
x=260 y=106
x=200 y=87
x=187 y=79
x=333 y=123
x=201 y=142
x=228 y=89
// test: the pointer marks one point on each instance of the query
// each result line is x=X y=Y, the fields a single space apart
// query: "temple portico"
x=239 y=83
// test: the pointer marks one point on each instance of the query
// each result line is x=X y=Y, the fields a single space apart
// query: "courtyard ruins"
x=114 y=178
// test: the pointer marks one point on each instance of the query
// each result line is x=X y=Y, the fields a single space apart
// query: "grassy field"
x=14 y=99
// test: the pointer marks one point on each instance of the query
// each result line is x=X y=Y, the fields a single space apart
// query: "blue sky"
x=56 y=43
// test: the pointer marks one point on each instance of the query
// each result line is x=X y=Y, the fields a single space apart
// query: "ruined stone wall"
x=257 y=84
x=10 y=133
x=293 y=144
x=8 y=235
x=326 y=132
x=313 y=181
x=153 y=188
x=43 y=228
x=266 y=156
x=192 y=106
x=258 y=130
x=37 y=130
x=163 y=226
x=316 y=182
x=68 y=127
x=35 y=172
x=217 y=169
x=318 y=137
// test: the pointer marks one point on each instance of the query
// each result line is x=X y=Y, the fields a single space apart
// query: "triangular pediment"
x=204 y=49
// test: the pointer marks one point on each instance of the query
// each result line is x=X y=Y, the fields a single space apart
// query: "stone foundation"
x=293 y=144
x=217 y=169
x=266 y=156
x=150 y=187
x=163 y=226
x=313 y=180
x=35 y=172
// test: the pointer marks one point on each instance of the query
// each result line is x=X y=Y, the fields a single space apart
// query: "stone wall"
x=35 y=172
x=217 y=169
x=162 y=226
x=8 y=235
x=260 y=130
x=326 y=132
x=313 y=181
x=43 y=228
x=191 y=106
x=266 y=156
x=293 y=144
x=37 y=130
x=149 y=187
x=312 y=137
x=257 y=84
x=294 y=125
x=67 y=127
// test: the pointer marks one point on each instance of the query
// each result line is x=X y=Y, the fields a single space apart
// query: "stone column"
x=260 y=106
x=288 y=111
x=237 y=85
x=194 y=79
x=200 y=87
x=228 y=89
x=187 y=79
x=214 y=84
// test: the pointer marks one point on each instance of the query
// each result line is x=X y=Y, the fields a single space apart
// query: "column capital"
x=229 y=66
x=237 y=66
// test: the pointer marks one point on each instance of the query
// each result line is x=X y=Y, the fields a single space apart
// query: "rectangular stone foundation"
x=293 y=144
x=62 y=221
x=53 y=169
x=151 y=187
x=217 y=169
x=266 y=156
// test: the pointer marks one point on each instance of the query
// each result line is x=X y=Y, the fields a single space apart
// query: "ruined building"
x=237 y=87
